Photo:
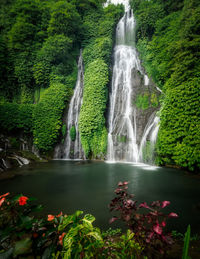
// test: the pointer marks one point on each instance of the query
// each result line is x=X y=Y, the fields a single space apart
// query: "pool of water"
x=89 y=186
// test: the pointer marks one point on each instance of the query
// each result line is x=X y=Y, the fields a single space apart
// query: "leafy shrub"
x=16 y=116
x=148 y=227
x=81 y=240
x=179 y=137
x=23 y=234
x=47 y=116
x=64 y=130
x=99 y=48
x=92 y=121
x=72 y=133
x=142 y=101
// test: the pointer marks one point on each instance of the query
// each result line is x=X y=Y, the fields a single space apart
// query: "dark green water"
x=89 y=186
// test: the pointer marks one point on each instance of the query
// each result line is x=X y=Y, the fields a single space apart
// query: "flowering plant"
x=148 y=225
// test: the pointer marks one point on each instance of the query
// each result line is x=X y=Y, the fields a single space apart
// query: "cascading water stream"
x=71 y=148
x=127 y=132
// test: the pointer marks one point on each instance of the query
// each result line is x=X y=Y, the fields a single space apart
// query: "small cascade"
x=129 y=126
x=148 y=141
x=71 y=148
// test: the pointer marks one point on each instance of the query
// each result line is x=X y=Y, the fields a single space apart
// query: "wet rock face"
x=145 y=99
x=16 y=151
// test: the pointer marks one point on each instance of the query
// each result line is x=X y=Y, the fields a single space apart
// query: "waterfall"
x=71 y=148
x=128 y=126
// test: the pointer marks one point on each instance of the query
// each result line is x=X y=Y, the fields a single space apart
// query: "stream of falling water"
x=124 y=143
x=71 y=148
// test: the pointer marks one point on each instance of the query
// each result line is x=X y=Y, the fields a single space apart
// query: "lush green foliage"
x=16 y=116
x=43 y=40
x=92 y=122
x=169 y=47
x=148 y=226
x=73 y=133
x=47 y=115
x=24 y=234
x=81 y=237
x=142 y=101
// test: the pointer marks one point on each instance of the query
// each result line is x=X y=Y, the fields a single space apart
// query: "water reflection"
x=89 y=186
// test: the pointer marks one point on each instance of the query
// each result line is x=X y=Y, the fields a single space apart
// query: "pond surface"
x=89 y=186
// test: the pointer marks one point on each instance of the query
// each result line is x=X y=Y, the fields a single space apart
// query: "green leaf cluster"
x=92 y=121
x=81 y=238
x=15 y=117
x=47 y=115
x=142 y=101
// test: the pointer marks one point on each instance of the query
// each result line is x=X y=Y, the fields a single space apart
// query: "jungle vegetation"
x=40 y=42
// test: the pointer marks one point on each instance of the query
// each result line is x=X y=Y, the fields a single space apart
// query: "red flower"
x=50 y=217
x=61 y=238
x=4 y=195
x=22 y=200
x=35 y=235
x=2 y=201
x=59 y=214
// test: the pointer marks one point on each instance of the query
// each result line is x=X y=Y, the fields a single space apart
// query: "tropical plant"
x=149 y=225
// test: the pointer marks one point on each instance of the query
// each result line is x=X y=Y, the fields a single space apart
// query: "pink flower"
x=172 y=215
x=157 y=229
x=165 y=203
x=2 y=201
x=22 y=200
